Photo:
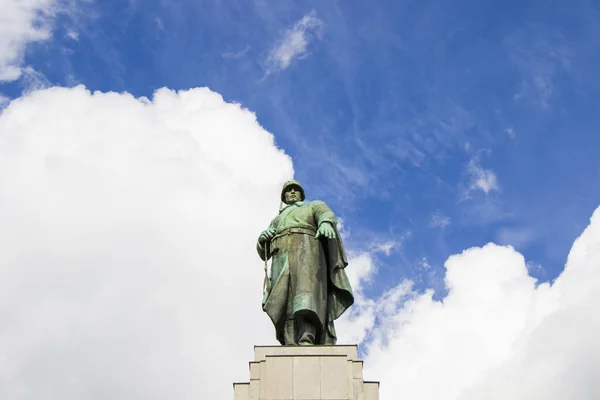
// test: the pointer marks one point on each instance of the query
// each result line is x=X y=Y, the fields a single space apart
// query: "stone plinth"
x=306 y=373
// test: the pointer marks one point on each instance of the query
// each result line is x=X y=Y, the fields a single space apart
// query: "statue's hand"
x=266 y=235
x=325 y=230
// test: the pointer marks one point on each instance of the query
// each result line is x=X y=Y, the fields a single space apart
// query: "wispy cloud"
x=26 y=21
x=481 y=178
x=439 y=220
x=510 y=131
x=22 y=22
x=517 y=237
x=386 y=246
x=534 y=268
x=33 y=80
x=540 y=55
x=237 y=54
x=294 y=43
x=71 y=34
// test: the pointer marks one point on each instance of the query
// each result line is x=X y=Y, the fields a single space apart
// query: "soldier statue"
x=308 y=288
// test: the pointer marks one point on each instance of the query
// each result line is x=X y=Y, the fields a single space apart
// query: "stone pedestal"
x=306 y=373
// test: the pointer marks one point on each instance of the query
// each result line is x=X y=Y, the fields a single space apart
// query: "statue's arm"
x=260 y=249
x=322 y=213
x=263 y=246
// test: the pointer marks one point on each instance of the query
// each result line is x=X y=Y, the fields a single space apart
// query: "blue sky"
x=431 y=128
x=392 y=114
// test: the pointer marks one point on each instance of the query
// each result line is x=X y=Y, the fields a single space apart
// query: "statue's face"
x=292 y=194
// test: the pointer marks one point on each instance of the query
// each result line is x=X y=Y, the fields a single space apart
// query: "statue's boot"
x=306 y=340
x=307 y=331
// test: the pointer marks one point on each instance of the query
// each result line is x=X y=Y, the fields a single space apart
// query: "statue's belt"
x=289 y=231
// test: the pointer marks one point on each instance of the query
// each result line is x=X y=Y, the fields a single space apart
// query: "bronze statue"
x=308 y=288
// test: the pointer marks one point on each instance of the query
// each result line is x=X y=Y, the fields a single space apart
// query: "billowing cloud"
x=496 y=335
x=357 y=322
x=22 y=22
x=294 y=42
x=127 y=229
x=128 y=268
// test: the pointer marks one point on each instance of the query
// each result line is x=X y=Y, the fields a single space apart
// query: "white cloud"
x=117 y=279
x=294 y=43
x=127 y=229
x=71 y=34
x=22 y=22
x=385 y=247
x=480 y=178
x=439 y=220
x=424 y=264
x=496 y=335
x=511 y=132
x=235 y=55
x=380 y=245
x=342 y=229
x=355 y=324
x=4 y=100
x=532 y=266
x=33 y=80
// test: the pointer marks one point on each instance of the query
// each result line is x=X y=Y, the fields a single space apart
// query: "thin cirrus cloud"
x=294 y=43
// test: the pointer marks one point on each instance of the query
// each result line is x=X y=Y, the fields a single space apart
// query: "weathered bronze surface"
x=308 y=288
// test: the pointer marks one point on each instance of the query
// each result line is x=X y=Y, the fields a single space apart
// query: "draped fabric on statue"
x=307 y=274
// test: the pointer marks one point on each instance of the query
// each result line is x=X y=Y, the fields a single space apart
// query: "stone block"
x=307 y=377
x=357 y=369
x=241 y=391
x=254 y=370
x=279 y=378
x=358 y=389
x=254 y=390
x=335 y=380
x=349 y=376
x=260 y=352
x=371 y=390
x=306 y=373
x=350 y=351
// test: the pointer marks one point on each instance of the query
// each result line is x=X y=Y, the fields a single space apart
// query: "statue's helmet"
x=292 y=183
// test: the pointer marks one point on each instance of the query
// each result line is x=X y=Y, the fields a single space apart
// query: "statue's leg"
x=308 y=283
x=307 y=331
x=289 y=331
